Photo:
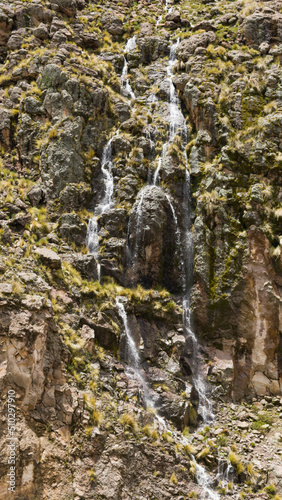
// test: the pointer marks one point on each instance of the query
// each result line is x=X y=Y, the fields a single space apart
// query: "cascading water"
x=134 y=357
x=92 y=237
x=131 y=44
x=176 y=118
x=125 y=85
x=206 y=482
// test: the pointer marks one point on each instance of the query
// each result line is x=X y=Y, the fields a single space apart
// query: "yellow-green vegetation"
x=128 y=422
x=235 y=461
x=174 y=479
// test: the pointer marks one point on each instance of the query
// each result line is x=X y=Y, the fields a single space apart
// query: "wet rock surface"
x=193 y=121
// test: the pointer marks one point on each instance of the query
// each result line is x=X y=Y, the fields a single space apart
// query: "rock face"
x=153 y=244
x=163 y=125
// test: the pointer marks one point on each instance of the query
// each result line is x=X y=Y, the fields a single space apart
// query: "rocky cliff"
x=140 y=249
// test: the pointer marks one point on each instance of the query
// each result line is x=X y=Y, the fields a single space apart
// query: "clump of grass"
x=203 y=453
x=174 y=479
x=189 y=449
x=128 y=421
x=235 y=461
x=92 y=475
x=150 y=432
x=97 y=417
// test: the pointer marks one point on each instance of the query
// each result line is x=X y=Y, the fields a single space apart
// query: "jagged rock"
x=86 y=265
x=5 y=127
x=5 y=28
x=52 y=76
x=88 y=335
x=91 y=40
x=6 y=288
x=35 y=302
x=152 y=223
x=35 y=195
x=32 y=106
x=67 y=7
x=146 y=29
x=75 y=196
x=15 y=41
x=20 y=220
x=204 y=25
x=152 y=47
x=49 y=257
x=103 y=331
x=72 y=229
x=261 y=27
x=113 y=24
x=188 y=46
x=41 y=32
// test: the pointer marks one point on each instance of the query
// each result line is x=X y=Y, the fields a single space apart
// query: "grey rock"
x=67 y=7
x=32 y=106
x=49 y=257
x=52 y=76
x=261 y=27
x=75 y=197
x=72 y=229
x=35 y=195
x=188 y=46
x=86 y=265
x=41 y=32
x=152 y=47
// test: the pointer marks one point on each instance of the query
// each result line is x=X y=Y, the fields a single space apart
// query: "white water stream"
x=184 y=242
x=125 y=85
x=92 y=237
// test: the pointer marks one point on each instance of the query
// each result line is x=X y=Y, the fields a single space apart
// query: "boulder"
x=187 y=47
x=86 y=265
x=35 y=195
x=153 y=241
x=75 y=197
x=67 y=7
x=259 y=28
x=41 y=32
x=152 y=47
x=72 y=229
x=49 y=257
x=5 y=28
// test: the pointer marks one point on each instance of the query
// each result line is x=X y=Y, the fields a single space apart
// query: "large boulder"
x=259 y=28
x=49 y=257
x=187 y=47
x=154 y=243
x=152 y=47
x=72 y=229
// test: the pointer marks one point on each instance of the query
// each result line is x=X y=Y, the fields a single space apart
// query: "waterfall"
x=223 y=472
x=133 y=353
x=92 y=237
x=176 y=118
x=125 y=85
x=134 y=357
x=131 y=44
x=206 y=481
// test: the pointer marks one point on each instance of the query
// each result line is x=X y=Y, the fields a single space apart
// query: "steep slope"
x=140 y=266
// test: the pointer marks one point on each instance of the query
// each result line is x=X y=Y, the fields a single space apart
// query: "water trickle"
x=224 y=472
x=92 y=237
x=133 y=353
x=176 y=118
x=156 y=179
x=134 y=357
x=125 y=85
x=206 y=482
x=131 y=44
